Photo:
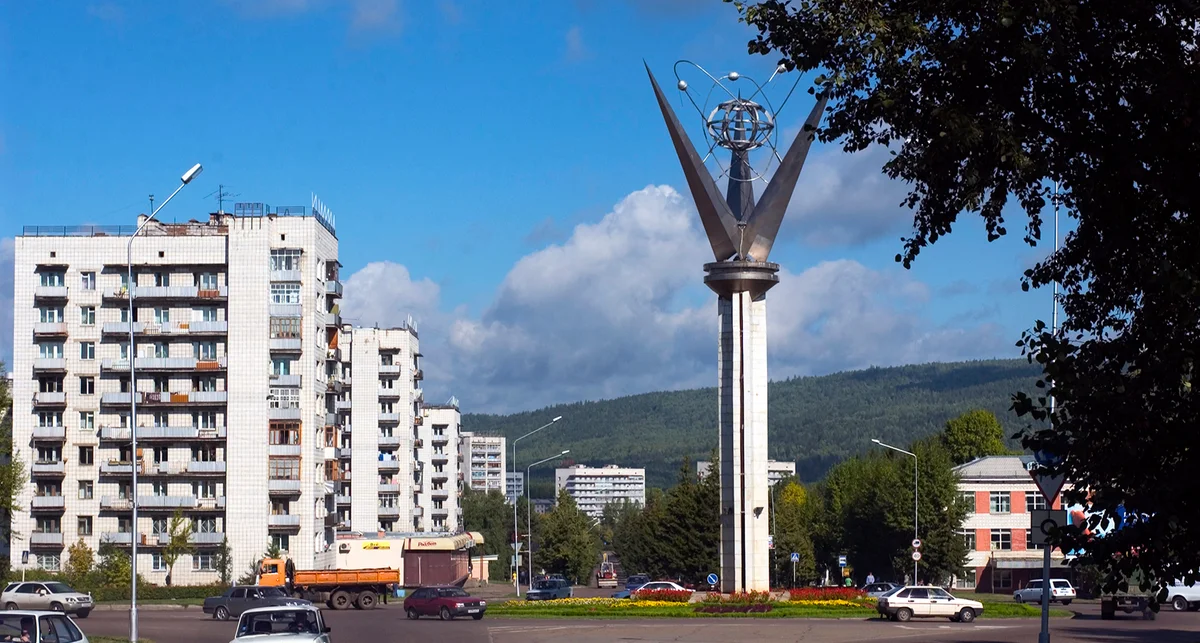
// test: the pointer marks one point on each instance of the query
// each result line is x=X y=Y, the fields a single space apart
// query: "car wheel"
x=83 y=614
x=904 y=615
x=966 y=615
x=1066 y=602
x=412 y=614
x=10 y=606
x=446 y=615
x=1179 y=604
x=1017 y=598
x=339 y=600
x=221 y=613
x=56 y=607
x=478 y=617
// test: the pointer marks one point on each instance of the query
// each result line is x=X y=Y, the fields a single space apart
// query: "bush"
x=739 y=598
x=826 y=594
x=94 y=583
x=666 y=595
x=755 y=608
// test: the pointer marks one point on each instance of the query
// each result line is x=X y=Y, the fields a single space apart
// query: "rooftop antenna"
x=221 y=195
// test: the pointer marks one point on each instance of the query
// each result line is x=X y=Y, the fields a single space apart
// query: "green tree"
x=179 y=534
x=792 y=529
x=113 y=568
x=690 y=531
x=12 y=469
x=979 y=107
x=943 y=510
x=569 y=544
x=80 y=559
x=972 y=435
x=223 y=561
x=490 y=514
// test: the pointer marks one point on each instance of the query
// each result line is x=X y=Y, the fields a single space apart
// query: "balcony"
x=170 y=433
x=49 y=329
x=114 y=503
x=47 y=469
x=440 y=457
x=389 y=442
x=286 y=310
x=46 y=539
x=283 y=521
x=206 y=538
x=392 y=370
x=165 y=364
x=344 y=453
x=331 y=418
x=388 y=488
x=342 y=405
x=50 y=433
x=418 y=375
x=440 y=439
x=334 y=385
x=55 y=398
x=47 y=503
x=193 y=398
x=203 y=467
x=116 y=468
x=216 y=503
x=418 y=421
x=286 y=344
x=389 y=465
x=333 y=319
x=389 y=394
x=333 y=355
x=439 y=475
x=49 y=365
x=170 y=292
x=120 y=538
x=439 y=493
x=342 y=500
x=418 y=443
x=284 y=487
x=385 y=512
x=285 y=380
x=418 y=511
x=187 y=328
x=49 y=292
x=165 y=503
x=284 y=449
x=275 y=413
x=333 y=288
x=285 y=275
x=389 y=418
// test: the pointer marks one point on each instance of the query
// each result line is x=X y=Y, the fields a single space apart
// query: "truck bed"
x=330 y=577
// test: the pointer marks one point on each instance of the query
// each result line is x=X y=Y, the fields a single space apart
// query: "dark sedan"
x=548 y=590
x=636 y=581
x=240 y=598
x=445 y=602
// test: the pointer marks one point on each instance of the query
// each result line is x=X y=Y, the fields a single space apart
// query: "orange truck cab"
x=338 y=588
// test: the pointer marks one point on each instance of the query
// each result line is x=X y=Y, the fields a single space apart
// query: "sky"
x=498 y=170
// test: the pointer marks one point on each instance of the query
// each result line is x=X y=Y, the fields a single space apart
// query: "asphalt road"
x=389 y=624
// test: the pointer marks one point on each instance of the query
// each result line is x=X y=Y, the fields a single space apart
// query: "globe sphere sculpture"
x=740 y=125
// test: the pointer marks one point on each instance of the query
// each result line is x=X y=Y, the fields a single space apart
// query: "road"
x=389 y=624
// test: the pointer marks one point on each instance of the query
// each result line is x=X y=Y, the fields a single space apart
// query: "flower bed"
x=739 y=598
x=826 y=594
x=836 y=602
x=745 y=608
x=608 y=603
x=666 y=595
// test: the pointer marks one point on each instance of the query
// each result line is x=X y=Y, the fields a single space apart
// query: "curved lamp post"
x=516 y=536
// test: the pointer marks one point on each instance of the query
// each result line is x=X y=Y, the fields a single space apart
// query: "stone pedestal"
x=742 y=417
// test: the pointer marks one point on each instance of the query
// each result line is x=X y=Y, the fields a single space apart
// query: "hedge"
x=94 y=584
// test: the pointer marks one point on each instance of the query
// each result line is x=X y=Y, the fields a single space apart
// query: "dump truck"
x=606 y=576
x=338 y=588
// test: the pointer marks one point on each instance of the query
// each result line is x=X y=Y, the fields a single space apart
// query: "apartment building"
x=437 y=438
x=594 y=487
x=482 y=460
x=776 y=470
x=233 y=318
x=514 y=485
x=1001 y=553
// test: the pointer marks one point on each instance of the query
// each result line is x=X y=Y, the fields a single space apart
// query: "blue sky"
x=489 y=166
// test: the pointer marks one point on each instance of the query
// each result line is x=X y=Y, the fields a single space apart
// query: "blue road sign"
x=795 y=557
x=841 y=561
x=712 y=579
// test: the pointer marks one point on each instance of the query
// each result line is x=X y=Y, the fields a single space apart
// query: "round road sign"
x=916 y=543
x=916 y=555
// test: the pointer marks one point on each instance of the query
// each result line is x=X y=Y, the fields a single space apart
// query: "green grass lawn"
x=781 y=610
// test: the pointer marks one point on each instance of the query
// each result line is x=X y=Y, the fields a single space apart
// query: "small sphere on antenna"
x=683 y=85
x=733 y=75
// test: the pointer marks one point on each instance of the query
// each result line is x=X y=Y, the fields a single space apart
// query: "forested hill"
x=814 y=421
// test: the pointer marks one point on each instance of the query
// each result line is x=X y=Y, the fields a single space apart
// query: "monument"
x=741 y=233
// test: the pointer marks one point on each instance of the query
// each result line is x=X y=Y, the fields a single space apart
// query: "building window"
x=87 y=315
x=1029 y=544
x=1035 y=501
x=161 y=454
x=968 y=536
x=285 y=293
x=967 y=581
x=284 y=468
x=1003 y=578
x=204 y=525
x=162 y=350
x=204 y=384
x=281 y=541
x=84 y=525
x=87 y=420
x=85 y=489
x=202 y=562
x=204 y=489
x=162 y=315
x=284 y=398
x=1001 y=502
x=88 y=280
x=50 y=315
x=204 y=350
x=87 y=456
x=50 y=350
x=281 y=366
x=286 y=434
x=49 y=455
x=281 y=508
x=87 y=350
x=159 y=489
x=285 y=259
x=53 y=279
x=50 y=385
x=285 y=328
x=207 y=313
x=87 y=386
x=50 y=418
x=204 y=453
x=162 y=384
x=204 y=420
x=162 y=280
x=48 y=562
x=1001 y=539
x=156 y=562
x=161 y=418
x=206 y=281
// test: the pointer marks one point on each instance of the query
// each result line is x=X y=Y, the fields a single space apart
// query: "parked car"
x=546 y=590
x=1183 y=597
x=292 y=623
x=51 y=596
x=636 y=581
x=875 y=590
x=1061 y=591
x=445 y=602
x=239 y=598
x=623 y=594
x=659 y=585
x=39 y=627
x=922 y=601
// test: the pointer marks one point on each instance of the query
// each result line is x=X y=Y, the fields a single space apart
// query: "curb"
x=153 y=607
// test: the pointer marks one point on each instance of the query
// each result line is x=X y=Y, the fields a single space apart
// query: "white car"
x=660 y=585
x=1183 y=597
x=39 y=627
x=280 y=623
x=922 y=601
x=1061 y=591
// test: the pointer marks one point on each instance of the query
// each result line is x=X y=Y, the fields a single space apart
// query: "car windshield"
x=272 y=592
x=278 y=622
x=545 y=584
x=453 y=593
x=59 y=588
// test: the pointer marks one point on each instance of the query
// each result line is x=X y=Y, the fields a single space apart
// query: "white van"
x=1182 y=597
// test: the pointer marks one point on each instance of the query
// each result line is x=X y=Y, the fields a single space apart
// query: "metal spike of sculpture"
x=741 y=233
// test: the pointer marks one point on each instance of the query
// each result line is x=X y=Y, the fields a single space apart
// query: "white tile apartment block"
x=594 y=487
x=438 y=463
x=232 y=322
x=514 y=485
x=483 y=462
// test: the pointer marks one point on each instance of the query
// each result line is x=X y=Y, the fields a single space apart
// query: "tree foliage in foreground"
x=569 y=544
x=983 y=104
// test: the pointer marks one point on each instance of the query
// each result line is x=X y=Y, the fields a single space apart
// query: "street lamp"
x=529 y=509
x=516 y=538
x=132 y=286
x=915 y=505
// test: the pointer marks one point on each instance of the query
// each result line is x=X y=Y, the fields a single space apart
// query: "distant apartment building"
x=776 y=470
x=437 y=462
x=482 y=460
x=1001 y=555
x=514 y=485
x=594 y=487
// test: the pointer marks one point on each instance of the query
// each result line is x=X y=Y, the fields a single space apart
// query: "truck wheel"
x=446 y=615
x=221 y=613
x=904 y=615
x=365 y=600
x=339 y=600
x=1179 y=604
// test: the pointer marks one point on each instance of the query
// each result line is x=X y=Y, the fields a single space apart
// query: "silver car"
x=290 y=624
x=39 y=627
x=49 y=595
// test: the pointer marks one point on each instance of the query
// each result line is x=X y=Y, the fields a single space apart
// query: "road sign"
x=1043 y=521
x=25 y=557
x=517 y=546
x=1050 y=486
x=916 y=543
x=916 y=555
x=841 y=561
x=771 y=541
x=795 y=557
x=712 y=579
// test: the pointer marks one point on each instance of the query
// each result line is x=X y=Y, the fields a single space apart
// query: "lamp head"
x=565 y=452
x=876 y=440
x=556 y=419
x=192 y=173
